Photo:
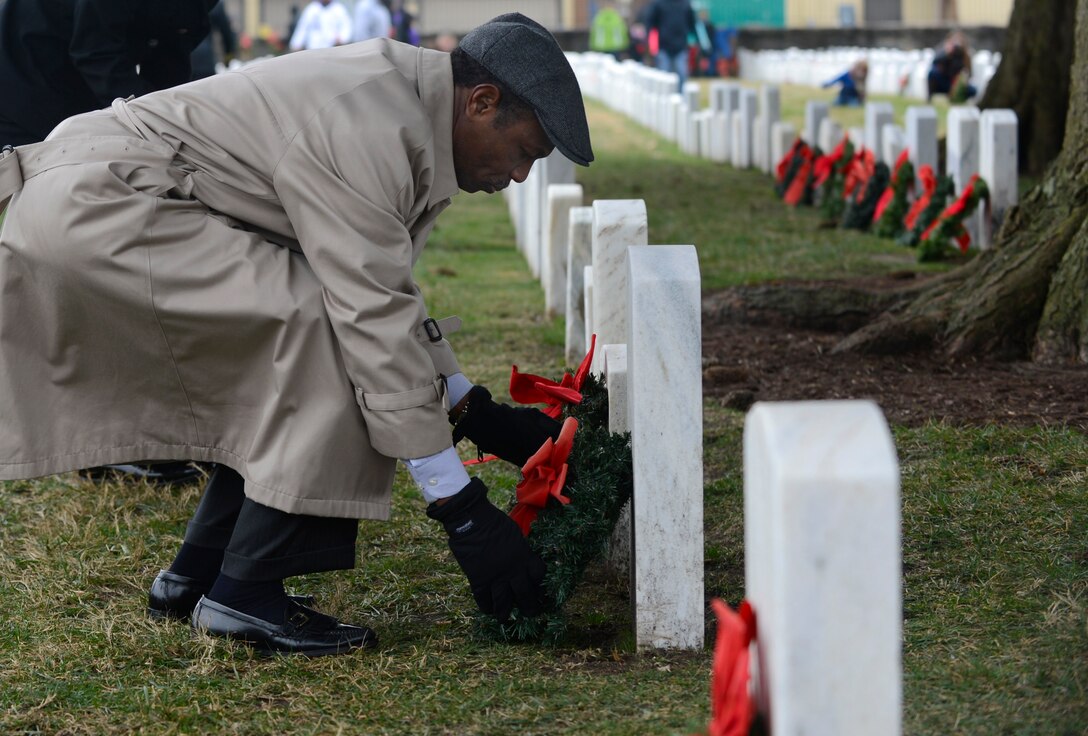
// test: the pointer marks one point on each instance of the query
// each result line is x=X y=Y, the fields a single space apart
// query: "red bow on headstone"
x=954 y=213
x=889 y=193
x=858 y=173
x=795 y=192
x=527 y=388
x=929 y=185
x=827 y=163
x=731 y=707
x=543 y=477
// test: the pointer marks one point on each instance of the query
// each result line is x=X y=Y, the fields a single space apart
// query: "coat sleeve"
x=347 y=202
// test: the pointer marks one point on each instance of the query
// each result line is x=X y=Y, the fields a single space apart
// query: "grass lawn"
x=995 y=542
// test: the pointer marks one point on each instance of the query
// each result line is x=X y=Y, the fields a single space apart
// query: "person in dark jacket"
x=206 y=55
x=59 y=58
x=674 y=21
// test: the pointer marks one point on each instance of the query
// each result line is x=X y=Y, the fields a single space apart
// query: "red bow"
x=731 y=707
x=784 y=164
x=527 y=388
x=543 y=477
x=858 y=172
x=956 y=209
x=796 y=190
x=929 y=185
x=889 y=193
x=827 y=163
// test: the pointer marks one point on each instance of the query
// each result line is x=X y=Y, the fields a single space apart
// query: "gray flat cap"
x=521 y=54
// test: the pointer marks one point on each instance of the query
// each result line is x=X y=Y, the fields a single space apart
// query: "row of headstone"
x=742 y=126
x=643 y=304
x=821 y=483
x=891 y=71
x=739 y=125
x=977 y=142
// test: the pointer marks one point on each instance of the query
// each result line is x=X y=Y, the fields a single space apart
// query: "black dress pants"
x=261 y=543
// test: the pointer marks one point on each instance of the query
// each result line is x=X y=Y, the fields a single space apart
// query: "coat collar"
x=436 y=93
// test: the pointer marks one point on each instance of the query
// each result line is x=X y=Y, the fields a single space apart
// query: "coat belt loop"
x=11 y=175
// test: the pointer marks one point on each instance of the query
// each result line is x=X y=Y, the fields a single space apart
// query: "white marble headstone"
x=830 y=135
x=814 y=112
x=664 y=379
x=823 y=567
x=922 y=139
x=617 y=225
x=579 y=255
x=561 y=198
x=770 y=111
x=998 y=158
x=892 y=141
x=877 y=115
x=587 y=288
x=961 y=155
x=783 y=136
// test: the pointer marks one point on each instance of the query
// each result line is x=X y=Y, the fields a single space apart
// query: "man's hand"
x=502 y=571
x=513 y=434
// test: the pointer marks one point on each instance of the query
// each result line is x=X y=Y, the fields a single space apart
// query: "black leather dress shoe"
x=174 y=596
x=304 y=631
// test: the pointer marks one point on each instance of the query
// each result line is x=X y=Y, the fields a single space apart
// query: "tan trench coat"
x=223 y=271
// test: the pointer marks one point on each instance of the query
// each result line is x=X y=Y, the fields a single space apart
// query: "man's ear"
x=483 y=101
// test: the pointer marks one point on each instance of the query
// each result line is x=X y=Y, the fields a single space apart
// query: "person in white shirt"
x=372 y=20
x=323 y=24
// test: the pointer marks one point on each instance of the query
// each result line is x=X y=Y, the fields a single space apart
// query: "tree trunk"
x=1033 y=77
x=1028 y=296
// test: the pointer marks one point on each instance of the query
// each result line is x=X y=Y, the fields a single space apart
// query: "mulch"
x=773 y=360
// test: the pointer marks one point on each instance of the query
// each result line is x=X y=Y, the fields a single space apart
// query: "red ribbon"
x=858 y=172
x=826 y=164
x=784 y=164
x=796 y=189
x=731 y=706
x=543 y=477
x=956 y=209
x=889 y=193
x=528 y=388
x=929 y=185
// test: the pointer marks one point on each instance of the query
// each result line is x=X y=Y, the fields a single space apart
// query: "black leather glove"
x=512 y=433
x=502 y=571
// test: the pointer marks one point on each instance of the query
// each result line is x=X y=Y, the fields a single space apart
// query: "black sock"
x=199 y=563
x=263 y=599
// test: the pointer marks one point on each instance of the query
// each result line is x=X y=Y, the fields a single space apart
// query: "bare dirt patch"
x=753 y=351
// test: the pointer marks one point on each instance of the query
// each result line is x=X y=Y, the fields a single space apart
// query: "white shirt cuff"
x=438 y=476
x=457 y=386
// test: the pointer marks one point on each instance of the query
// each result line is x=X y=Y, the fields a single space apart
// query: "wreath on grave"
x=935 y=192
x=948 y=226
x=870 y=181
x=787 y=169
x=831 y=179
x=893 y=204
x=800 y=190
x=569 y=497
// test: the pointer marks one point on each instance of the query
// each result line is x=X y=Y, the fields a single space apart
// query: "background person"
x=852 y=84
x=208 y=53
x=59 y=58
x=674 y=21
x=372 y=20
x=322 y=25
x=608 y=32
x=951 y=64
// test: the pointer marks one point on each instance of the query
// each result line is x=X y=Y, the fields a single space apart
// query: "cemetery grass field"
x=994 y=534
